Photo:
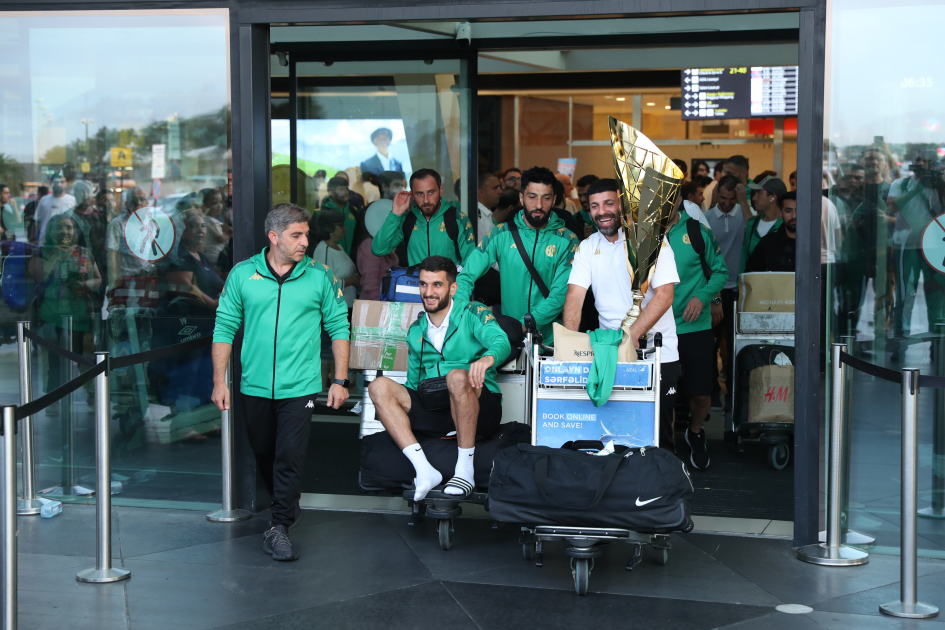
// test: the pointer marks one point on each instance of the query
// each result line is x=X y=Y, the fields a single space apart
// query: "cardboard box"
x=766 y=292
x=379 y=334
x=576 y=346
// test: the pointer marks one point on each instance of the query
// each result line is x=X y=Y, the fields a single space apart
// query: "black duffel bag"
x=645 y=490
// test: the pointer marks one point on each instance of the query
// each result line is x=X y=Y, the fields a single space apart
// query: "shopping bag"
x=766 y=292
x=771 y=393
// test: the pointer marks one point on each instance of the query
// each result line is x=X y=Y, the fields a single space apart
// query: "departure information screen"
x=759 y=91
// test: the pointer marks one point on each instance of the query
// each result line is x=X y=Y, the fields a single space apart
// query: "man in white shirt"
x=489 y=190
x=728 y=225
x=601 y=264
x=57 y=202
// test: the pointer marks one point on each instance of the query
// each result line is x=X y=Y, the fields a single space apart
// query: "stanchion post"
x=908 y=605
x=103 y=571
x=832 y=553
x=29 y=504
x=227 y=514
x=8 y=517
x=937 y=509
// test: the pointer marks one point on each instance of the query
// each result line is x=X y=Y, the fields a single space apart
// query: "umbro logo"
x=671 y=392
x=256 y=276
x=310 y=405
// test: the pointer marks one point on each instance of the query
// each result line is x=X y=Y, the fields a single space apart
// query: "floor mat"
x=733 y=486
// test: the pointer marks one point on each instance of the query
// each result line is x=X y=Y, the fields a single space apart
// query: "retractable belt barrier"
x=832 y=552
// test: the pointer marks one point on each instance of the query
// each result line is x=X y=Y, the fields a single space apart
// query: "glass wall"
x=372 y=123
x=116 y=148
x=884 y=168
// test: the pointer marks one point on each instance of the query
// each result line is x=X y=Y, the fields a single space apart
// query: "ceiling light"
x=620 y=98
x=669 y=107
x=608 y=96
x=650 y=104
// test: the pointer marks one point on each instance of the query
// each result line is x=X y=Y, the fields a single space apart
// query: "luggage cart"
x=585 y=544
x=764 y=329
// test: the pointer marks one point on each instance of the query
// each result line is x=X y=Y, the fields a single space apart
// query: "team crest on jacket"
x=685 y=239
x=442 y=227
x=550 y=250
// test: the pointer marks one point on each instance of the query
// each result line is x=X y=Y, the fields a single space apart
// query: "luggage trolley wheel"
x=444 y=528
x=656 y=555
x=581 y=572
x=779 y=455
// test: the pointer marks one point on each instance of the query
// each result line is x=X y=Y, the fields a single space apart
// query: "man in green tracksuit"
x=283 y=299
x=462 y=342
x=435 y=223
x=547 y=244
x=338 y=200
x=764 y=198
x=701 y=278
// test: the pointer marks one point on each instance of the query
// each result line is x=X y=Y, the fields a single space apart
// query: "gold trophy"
x=649 y=184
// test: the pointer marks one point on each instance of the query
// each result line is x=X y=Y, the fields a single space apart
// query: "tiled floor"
x=361 y=570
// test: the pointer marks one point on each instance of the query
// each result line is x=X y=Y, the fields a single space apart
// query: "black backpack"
x=452 y=230
x=694 y=230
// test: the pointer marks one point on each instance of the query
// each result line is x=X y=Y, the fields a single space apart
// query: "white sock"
x=428 y=477
x=464 y=469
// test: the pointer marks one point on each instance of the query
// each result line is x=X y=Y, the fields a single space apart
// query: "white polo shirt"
x=437 y=334
x=602 y=265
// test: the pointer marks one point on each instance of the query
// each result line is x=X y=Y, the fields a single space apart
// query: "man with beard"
x=601 y=264
x=282 y=299
x=461 y=341
x=534 y=237
x=588 y=224
x=777 y=250
x=431 y=227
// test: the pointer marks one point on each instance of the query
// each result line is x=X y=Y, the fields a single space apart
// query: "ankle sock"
x=464 y=469
x=428 y=477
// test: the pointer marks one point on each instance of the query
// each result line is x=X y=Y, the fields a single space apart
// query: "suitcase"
x=645 y=490
x=384 y=467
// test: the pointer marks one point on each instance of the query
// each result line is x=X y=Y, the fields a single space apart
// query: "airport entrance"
x=533 y=94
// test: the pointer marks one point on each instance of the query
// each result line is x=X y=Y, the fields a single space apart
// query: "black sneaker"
x=277 y=544
x=700 y=455
x=295 y=521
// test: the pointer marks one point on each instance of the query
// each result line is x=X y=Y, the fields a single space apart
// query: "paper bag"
x=576 y=346
x=771 y=394
x=766 y=292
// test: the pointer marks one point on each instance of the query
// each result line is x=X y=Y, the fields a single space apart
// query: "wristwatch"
x=343 y=382
x=717 y=300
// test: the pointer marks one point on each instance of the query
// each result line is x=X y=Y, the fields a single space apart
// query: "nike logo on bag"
x=639 y=502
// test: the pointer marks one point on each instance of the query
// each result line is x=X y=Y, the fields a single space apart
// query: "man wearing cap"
x=382 y=160
x=764 y=198
x=778 y=249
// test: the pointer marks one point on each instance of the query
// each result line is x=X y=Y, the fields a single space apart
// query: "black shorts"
x=696 y=359
x=440 y=423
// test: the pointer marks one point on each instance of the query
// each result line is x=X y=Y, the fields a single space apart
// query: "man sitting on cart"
x=458 y=341
x=601 y=263
x=534 y=252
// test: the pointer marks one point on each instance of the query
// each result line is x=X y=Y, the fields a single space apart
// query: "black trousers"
x=669 y=379
x=278 y=434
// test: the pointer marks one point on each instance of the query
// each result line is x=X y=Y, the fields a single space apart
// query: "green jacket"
x=752 y=237
x=281 y=354
x=351 y=225
x=692 y=282
x=429 y=238
x=551 y=250
x=472 y=334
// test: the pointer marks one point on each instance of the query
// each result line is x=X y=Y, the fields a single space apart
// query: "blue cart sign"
x=628 y=422
x=575 y=373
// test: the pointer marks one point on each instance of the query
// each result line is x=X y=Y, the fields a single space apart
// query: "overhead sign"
x=933 y=243
x=149 y=234
x=157 y=161
x=121 y=157
x=744 y=92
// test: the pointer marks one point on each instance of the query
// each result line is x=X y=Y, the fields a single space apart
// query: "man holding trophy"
x=629 y=265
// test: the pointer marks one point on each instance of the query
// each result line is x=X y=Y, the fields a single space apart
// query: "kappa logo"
x=641 y=503
x=671 y=392
x=597 y=253
x=310 y=405
x=256 y=276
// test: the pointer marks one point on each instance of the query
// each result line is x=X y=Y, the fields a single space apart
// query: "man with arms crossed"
x=458 y=340
x=601 y=263
x=283 y=298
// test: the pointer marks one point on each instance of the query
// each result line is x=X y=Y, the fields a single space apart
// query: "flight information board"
x=759 y=91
